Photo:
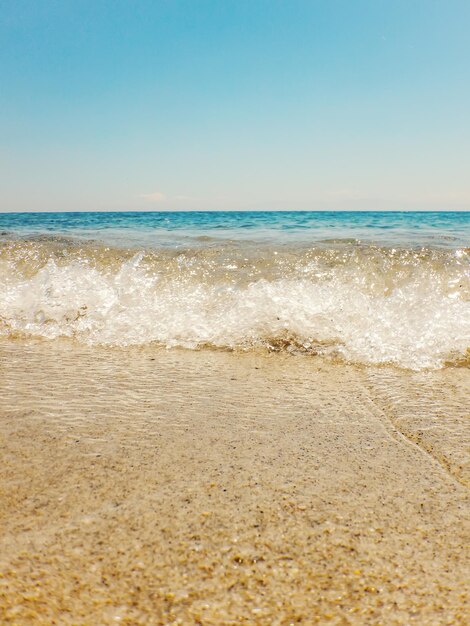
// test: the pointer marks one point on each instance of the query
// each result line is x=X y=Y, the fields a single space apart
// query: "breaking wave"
x=363 y=304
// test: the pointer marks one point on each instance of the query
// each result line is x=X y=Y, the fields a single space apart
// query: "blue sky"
x=319 y=104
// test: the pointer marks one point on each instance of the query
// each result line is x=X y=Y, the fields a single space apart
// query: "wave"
x=361 y=304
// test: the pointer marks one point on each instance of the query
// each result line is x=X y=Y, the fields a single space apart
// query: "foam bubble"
x=364 y=305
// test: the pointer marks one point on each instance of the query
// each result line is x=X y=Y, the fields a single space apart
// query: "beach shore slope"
x=145 y=486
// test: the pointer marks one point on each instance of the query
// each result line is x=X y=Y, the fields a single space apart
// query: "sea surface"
x=362 y=287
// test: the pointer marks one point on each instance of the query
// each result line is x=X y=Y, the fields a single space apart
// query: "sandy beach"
x=234 y=313
x=146 y=486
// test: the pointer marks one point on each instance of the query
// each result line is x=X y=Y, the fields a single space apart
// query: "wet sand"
x=177 y=487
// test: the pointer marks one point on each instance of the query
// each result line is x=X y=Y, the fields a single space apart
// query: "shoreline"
x=148 y=486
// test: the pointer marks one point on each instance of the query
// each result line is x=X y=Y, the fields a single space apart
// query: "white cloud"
x=155 y=196
x=347 y=194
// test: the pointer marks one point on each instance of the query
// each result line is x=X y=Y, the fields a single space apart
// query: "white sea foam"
x=362 y=308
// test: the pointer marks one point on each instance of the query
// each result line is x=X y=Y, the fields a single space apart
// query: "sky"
x=234 y=105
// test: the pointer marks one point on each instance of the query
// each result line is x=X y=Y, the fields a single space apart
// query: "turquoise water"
x=447 y=229
x=369 y=288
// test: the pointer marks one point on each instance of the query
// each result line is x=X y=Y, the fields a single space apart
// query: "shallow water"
x=150 y=486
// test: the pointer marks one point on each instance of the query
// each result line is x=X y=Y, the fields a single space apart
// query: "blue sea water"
x=444 y=228
x=364 y=287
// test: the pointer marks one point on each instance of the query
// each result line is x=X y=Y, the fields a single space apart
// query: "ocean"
x=224 y=418
x=371 y=288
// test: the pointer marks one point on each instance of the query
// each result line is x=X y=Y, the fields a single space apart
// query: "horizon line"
x=53 y=211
